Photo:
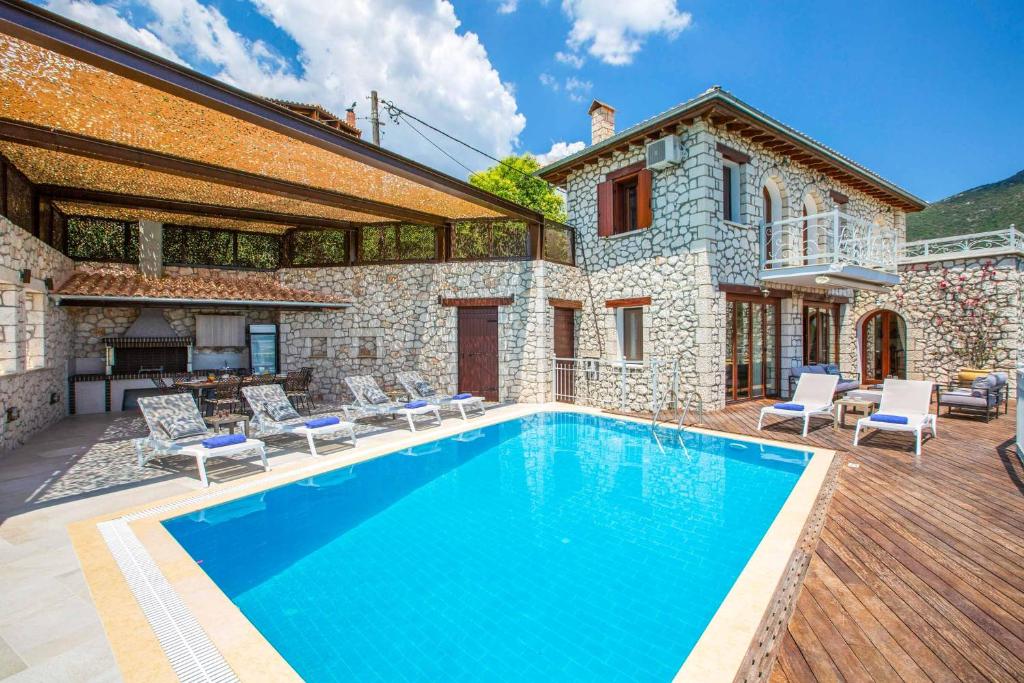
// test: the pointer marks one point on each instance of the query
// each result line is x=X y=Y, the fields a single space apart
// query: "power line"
x=395 y=112
x=436 y=146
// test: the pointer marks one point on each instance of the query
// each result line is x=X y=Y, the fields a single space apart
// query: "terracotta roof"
x=104 y=284
x=324 y=115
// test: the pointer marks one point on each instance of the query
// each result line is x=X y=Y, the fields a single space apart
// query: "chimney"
x=602 y=122
x=350 y=116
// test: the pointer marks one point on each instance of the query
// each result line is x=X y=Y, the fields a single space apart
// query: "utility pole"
x=374 y=118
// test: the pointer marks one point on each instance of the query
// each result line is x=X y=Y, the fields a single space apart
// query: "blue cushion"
x=831 y=369
x=223 y=440
x=891 y=419
x=458 y=397
x=847 y=385
x=323 y=421
x=415 y=404
x=789 y=406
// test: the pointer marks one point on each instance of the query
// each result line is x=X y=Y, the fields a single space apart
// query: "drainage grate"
x=191 y=653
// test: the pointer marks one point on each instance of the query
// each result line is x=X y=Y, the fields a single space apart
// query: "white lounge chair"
x=177 y=428
x=813 y=398
x=273 y=413
x=370 y=400
x=904 y=407
x=419 y=388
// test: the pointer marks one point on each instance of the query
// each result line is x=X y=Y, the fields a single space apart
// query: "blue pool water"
x=559 y=546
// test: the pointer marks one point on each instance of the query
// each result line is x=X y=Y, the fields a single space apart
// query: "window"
x=397 y=242
x=821 y=333
x=102 y=239
x=631 y=333
x=35 y=330
x=624 y=201
x=188 y=246
x=731 y=191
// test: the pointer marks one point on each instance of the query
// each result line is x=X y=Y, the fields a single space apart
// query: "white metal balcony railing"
x=1009 y=240
x=827 y=238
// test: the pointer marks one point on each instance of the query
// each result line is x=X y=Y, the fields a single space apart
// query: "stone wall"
x=38 y=394
x=90 y=324
x=689 y=250
x=397 y=322
x=922 y=302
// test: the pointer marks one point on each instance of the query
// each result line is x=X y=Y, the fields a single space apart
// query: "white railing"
x=1020 y=414
x=980 y=243
x=831 y=238
x=631 y=387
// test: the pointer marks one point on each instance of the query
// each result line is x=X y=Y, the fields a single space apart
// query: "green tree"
x=513 y=179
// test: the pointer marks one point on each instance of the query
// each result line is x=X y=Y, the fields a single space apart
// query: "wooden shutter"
x=643 y=199
x=605 y=208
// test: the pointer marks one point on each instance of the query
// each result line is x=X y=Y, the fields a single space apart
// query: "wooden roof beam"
x=95 y=197
x=80 y=145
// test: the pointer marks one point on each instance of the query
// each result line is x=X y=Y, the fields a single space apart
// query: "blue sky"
x=928 y=95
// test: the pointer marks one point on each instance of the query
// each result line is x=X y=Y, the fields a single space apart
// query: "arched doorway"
x=883 y=346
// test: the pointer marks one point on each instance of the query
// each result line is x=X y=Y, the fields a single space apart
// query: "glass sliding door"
x=883 y=346
x=752 y=347
x=821 y=333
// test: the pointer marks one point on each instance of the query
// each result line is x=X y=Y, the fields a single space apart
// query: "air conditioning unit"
x=664 y=152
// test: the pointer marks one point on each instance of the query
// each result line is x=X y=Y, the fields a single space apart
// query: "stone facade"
x=690 y=250
x=921 y=300
x=35 y=342
x=397 y=322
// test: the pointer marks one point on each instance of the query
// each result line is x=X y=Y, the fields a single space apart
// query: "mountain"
x=986 y=207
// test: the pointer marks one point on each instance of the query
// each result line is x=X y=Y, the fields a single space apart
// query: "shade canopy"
x=91 y=119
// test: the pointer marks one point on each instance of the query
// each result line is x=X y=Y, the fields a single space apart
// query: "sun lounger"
x=370 y=400
x=273 y=413
x=904 y=408
x=813 y=398
x=177 y=428
x=419 y=388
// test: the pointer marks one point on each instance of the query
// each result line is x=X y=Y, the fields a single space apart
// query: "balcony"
x=832 y=249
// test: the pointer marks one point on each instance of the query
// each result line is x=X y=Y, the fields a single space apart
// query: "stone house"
x=745 y=249
x=755 y=249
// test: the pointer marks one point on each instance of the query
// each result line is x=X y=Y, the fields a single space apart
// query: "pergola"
x=103 y=129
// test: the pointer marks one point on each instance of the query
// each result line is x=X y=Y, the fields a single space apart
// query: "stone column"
x=151 y=248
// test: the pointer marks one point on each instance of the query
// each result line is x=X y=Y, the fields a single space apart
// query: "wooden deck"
x=919 y=570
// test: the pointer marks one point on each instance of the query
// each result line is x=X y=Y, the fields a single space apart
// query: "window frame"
x=637 y=344
x=625 y=189
x=732 y=211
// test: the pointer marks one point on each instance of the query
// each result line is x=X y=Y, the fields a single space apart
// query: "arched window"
x=811 y=232
x=771 y=210
x=883 y=344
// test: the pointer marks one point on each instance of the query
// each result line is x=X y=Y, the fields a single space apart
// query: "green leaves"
x=513 y=179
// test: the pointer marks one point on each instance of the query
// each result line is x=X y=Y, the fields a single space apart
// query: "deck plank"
x=919 y=571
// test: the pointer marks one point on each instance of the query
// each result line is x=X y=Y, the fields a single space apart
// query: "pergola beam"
x=63 y=36
x=99 y=198
x=104 y=150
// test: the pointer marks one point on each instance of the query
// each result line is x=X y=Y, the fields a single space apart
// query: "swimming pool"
x=555 y=546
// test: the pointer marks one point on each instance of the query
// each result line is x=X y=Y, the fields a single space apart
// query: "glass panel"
x=811 y=340
x=632 y=333
x=771 y=351
x=873 y=348
x=757 y=352
x=258 y=250
x=897 y=347
x=417 y=242
x=742 y=349
x=730 y=349
x=319 y=247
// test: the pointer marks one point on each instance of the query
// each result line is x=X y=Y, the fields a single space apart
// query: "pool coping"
x=216 y=639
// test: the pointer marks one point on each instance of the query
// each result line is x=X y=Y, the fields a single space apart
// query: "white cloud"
x=577 y=89
x=570 y=58
x=558 y=151
x=614 y=31
x=508 y=6
x=549 y=81
x=345 y=50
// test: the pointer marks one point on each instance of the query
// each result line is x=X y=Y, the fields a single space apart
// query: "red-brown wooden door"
x=478 y=351
x=565 y=349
